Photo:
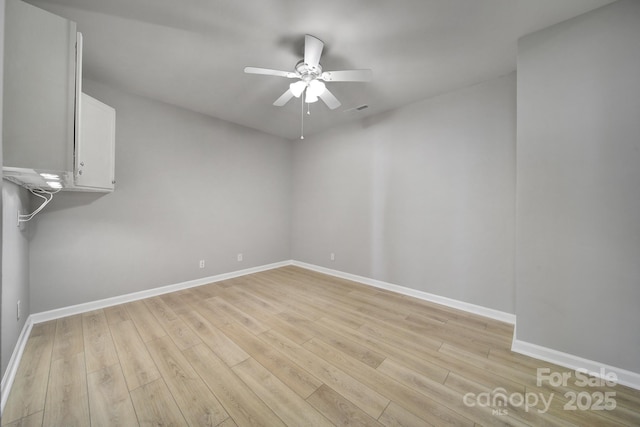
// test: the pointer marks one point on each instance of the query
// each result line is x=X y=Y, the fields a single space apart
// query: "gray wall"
x=578 y=213
x=15 y=267
x=2 y=3
x=189 y=187
x=422 y=197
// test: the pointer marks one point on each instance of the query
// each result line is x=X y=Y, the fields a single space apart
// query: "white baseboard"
x=449 y=302
x=630 y=379
x=14 y=362
x=121 y=299
x=626 y=378
x=12 y=368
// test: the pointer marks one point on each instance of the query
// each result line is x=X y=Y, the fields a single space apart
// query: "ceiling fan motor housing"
x=308 y=72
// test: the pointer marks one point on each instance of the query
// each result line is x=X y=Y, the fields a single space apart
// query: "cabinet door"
x=39 y=88
x=95 y=145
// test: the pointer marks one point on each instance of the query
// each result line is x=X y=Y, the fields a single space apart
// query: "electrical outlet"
x=332 y=256
x=201 y=263
x=18 y=310
x=240 y=257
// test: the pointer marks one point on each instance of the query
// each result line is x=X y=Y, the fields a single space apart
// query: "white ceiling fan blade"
x=284 y=98
x=328 y=98
x=312 y=50
x=270 y=72
x=347 y=76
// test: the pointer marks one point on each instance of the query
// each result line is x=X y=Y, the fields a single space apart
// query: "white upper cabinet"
x=49 y=127
x=95 y=150
x=39 y=88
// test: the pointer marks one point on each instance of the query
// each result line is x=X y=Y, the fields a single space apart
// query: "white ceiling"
x=191 y=53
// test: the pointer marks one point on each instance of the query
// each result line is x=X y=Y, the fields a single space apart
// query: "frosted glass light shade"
x=316 y=87
x=297 y=88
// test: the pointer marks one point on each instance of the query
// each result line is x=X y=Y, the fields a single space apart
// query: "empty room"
x=295 y=213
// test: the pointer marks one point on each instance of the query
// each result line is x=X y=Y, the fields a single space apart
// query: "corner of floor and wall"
x=570 y=361
x=515 y=198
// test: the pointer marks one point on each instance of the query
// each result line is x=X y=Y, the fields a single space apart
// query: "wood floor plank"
x=422 y=363
x=312 y=302
x=235 y=315
x=409 y=398
x=33 y=420
x=267 y=305
x=294 y=327
x=160 y=310
x=376 y=306
x=369 y=400
x=217 y=341
x=339 y=410
x=498 y=327
x=207 y=291
x=358 y=351
x=442 y=394
x=99 y=349
x=396 y=416
x=177 y=303
x=257 y=311
x=147 y=325
x=287 y=346
x=198 y=405
x=228 y=423
x=116 y=313
x=527 y=378
x=155 y=406
x=479 y=342
x=109 y=400
x=423 y=360
x=46 y=329
x=209 y=312
x=400 y=337
x=179 y=332
x=440 y=311
x=67 y=400
x=269 y=291
x=622 y=415
x=528 y=416
x=283 y=401
x=30 y=385
x=68 y=340
x=238 y=399
x=281 y=366
x=188 y=297
x=137 y=365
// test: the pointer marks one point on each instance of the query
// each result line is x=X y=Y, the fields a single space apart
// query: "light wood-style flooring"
x=291 y=347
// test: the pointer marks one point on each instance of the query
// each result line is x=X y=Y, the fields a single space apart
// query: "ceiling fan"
x=311 y=78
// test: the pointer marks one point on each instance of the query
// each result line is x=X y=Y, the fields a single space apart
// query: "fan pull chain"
x=302 y=117
x=308 y=109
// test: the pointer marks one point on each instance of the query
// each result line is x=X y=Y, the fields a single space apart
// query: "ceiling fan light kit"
x=311 y=78
x=297 y=88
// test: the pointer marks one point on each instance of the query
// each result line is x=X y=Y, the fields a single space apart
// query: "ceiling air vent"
x=359 y=108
